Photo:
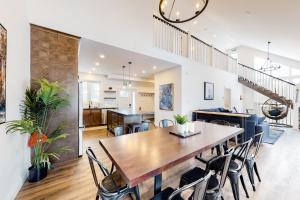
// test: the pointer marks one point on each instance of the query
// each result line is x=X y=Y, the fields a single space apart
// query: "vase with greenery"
x=181 y=121
x=37 y=110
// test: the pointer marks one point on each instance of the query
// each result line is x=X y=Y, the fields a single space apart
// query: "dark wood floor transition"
x=279 y=166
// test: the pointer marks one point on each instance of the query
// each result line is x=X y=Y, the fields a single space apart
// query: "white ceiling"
x=115 y=58
x=231 y=23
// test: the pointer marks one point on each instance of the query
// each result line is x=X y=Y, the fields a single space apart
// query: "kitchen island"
x=124 y=117
x=95 y=116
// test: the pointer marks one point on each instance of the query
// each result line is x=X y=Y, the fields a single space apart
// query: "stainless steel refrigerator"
x=80 y=117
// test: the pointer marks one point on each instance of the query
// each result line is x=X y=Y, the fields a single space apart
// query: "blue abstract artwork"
x=166 y=96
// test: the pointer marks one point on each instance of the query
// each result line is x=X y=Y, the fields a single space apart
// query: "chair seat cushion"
x=195 y=174
x=164 y=195
x=217 y=165
x=109 y=185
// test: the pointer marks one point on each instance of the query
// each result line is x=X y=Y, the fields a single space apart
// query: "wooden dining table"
x=144 y=155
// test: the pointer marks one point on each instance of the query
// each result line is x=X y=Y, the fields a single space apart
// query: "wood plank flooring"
x=279 y=167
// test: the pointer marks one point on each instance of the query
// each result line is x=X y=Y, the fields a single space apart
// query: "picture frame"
x=3 y=61
x=208 y=91
x=166 y=97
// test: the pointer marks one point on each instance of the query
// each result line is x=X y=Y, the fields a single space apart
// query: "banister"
x=266 y=74
x=194 y=37
x=177 y=28
x=199 y=40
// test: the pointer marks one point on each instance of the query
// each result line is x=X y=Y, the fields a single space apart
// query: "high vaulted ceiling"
x=99 y=58
x=231 y=23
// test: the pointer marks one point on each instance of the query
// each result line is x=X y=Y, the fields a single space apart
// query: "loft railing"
x=175 y=40
x=168 y=37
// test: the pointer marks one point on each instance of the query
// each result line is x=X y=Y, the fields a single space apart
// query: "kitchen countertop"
x=132 y=112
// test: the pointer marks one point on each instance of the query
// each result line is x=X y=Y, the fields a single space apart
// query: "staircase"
x=272 y=87
x=266 y=92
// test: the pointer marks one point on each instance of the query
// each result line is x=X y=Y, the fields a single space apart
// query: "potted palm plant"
x=37 y=110
x=181 y=121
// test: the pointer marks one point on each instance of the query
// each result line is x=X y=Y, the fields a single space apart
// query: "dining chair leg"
x=157 y=184
x=244 y=186
x=234 y=181
x=137 y=192
x=256 y=171
x=249 y=167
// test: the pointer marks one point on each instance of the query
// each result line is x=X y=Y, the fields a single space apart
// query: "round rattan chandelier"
x=180 y=11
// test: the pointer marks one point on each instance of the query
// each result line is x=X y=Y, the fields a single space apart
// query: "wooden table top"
x=243 y=115
x=140 y=156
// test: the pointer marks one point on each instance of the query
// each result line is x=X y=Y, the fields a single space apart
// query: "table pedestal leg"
x=157 y=184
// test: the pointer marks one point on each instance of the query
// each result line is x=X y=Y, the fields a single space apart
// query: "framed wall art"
x=208 y=91
x=166 y=96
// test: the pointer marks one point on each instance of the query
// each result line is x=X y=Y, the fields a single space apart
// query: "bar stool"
x=134 y=127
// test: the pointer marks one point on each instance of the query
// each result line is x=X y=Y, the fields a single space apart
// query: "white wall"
x=169 y=76
x=193 y=78
x=14 y=153
x=146 y=103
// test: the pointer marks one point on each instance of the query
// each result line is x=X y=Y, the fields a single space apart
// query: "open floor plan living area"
x=149 y=100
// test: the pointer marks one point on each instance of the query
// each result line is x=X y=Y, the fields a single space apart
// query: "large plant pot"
x=181 y=128
x=37 y=173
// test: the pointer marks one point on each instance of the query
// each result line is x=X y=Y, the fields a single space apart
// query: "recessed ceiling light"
x=93 y=68
x=195 y=22
x=102 y=56
x=144 y=71
x=90 y=72
x=154 y=67
x=97 y=63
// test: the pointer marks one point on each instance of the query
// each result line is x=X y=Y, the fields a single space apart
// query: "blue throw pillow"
x=260 y=119
x=254 y=118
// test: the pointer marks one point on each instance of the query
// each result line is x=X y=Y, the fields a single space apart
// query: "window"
x=91 y=93
x=124 y=93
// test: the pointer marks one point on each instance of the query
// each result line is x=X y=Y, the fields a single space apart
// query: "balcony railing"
x=175 y=40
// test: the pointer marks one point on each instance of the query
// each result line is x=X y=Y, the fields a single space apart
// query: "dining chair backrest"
x=198 y=186
x=227 y=156
x=118 y=131
x=164 y=123
x=257 y=140
x=145 y=126
x=223 y=162
x=92 y=159
x=242 y=151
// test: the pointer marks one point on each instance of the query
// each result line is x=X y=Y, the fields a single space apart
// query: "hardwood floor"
x=279 y=167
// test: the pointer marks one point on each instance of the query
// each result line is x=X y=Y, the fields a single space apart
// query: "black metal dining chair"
x=198 y=190
x=250 y=162
x=112 y=186
x=235 y=168
x=164 y=123
x=216 y=181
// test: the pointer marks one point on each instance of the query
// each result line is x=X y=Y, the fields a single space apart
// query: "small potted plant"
x=37 y=110
x=181 y=123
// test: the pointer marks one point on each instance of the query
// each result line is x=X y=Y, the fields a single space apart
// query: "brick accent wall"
x=54 y=56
